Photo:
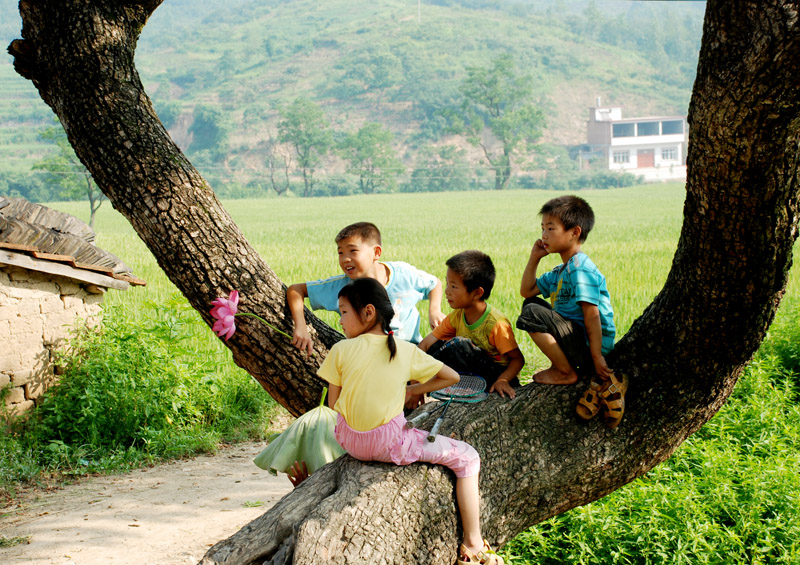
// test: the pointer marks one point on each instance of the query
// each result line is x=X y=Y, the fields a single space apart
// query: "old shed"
x=52 y=277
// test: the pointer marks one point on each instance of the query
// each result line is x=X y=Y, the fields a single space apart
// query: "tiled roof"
x=32 y=236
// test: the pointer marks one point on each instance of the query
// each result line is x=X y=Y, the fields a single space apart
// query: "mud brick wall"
x=37 y=313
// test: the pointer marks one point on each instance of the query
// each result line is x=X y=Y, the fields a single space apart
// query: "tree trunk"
x=683 y=355
x=80 y=57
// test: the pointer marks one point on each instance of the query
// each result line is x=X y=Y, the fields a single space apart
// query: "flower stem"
x=266 y=322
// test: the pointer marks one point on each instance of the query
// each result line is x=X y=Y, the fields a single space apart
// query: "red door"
x=645 y=158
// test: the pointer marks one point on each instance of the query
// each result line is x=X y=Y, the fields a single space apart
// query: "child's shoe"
x=589 y=403
x=612 y=398
x=485 y=555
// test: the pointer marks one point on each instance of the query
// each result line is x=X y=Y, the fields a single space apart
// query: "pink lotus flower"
x=224 y=311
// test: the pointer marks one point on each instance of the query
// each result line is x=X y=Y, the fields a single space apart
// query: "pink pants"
x=394 y=443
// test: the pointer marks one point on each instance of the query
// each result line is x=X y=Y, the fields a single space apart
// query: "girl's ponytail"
x=360 y=292
x=391 y=344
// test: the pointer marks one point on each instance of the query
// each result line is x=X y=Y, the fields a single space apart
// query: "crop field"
x=633 y=241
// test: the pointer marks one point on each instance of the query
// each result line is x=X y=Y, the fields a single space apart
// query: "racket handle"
x=435 y=429
x=413 y=421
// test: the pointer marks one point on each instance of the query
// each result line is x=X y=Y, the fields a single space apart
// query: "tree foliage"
x=372 y=72
x=497 y=100
x=371 y=157
x=305 y=127
x=208 y=132
x=441 y=169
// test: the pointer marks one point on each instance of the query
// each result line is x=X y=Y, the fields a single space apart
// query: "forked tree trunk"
x=683 y=355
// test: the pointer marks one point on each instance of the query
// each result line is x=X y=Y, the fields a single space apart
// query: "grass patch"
x=729 y=494
x=11 y=542
x=133 y=393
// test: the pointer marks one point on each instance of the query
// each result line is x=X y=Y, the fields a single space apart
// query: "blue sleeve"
x=586 y=286
x=545 y=283
x=324 y=293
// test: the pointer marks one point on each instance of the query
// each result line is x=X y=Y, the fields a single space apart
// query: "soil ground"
x=166 y=515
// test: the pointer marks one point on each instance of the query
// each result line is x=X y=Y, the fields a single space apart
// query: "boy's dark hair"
x=367 y=231
x=363 y=291
x=571 y=211
x=476 y=270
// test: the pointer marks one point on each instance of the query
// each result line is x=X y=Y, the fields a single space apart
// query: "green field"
x=295 y=237
x=729 y=494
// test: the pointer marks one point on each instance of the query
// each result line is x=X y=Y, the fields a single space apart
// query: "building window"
x=672 y=127
x=623 y=130
x=622 y=156
x=648 y=128
x=669 y=154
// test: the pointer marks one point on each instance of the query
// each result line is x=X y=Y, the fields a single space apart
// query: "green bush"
x=134 y=393
x=728 y=495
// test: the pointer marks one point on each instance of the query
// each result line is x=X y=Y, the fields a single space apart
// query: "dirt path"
x=166 y=515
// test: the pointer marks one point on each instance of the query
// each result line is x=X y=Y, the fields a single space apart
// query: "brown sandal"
x=612 y=397
x=589 y=404
x=485 y=555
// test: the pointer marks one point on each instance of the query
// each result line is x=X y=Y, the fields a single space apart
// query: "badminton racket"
x=469 y=389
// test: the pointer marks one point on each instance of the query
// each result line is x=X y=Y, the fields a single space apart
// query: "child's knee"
x=535 y=317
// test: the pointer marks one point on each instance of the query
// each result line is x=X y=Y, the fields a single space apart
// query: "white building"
x=652 y=147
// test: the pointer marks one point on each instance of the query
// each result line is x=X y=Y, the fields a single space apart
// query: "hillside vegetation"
x=220 y=76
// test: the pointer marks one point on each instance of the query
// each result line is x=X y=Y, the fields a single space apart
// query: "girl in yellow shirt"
x=368 y=375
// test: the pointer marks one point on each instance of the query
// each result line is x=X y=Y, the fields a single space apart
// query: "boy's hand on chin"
x=539 y=249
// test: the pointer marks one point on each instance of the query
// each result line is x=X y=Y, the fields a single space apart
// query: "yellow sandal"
x=589 y=404
x=612 y=397
x=485 y=555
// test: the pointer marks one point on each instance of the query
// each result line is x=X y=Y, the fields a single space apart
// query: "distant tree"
x=66 y=173
x=269 y=47
x=168 y=111
x=25 y=185
x=371 y=157
x=374 y=72
x=208 y=133
x=592 y=21
x=279 y=163
x=303 y=125
x=497 y=99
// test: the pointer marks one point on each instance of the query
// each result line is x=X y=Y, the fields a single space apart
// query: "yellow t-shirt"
x=374 y=389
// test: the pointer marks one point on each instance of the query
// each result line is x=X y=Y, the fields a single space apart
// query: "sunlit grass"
x=632 y=243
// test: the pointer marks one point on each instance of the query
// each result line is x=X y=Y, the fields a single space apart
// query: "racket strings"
x=469 y=385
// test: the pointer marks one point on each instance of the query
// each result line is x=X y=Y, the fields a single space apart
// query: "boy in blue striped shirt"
x=576 y=330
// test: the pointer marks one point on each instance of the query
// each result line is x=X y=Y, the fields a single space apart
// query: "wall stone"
x=38 y=313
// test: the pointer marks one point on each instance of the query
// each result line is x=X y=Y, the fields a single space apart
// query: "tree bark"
x=79 y=56
x=683 y=355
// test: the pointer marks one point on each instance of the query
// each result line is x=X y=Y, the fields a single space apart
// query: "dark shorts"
x=538 y=317
x=463 y=356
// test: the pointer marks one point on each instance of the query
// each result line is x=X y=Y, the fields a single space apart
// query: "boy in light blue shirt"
x=359 y=249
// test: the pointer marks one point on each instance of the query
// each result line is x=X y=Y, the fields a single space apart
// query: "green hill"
x=219 y=75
